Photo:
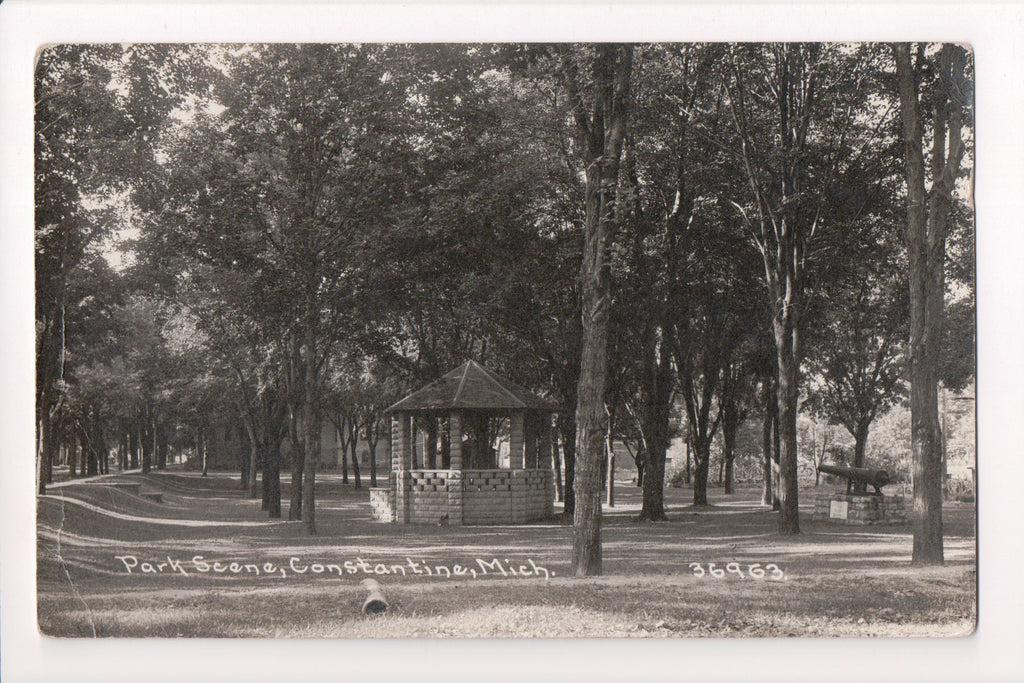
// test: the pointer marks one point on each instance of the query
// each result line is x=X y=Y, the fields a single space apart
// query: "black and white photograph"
x=370 y=320
x=440 y=340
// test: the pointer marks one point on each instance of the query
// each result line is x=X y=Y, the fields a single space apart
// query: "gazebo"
x=468 y=448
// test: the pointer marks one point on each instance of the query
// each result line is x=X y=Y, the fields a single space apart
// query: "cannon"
x=858 y=478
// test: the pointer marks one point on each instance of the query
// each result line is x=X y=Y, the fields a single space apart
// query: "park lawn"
x=833 y=580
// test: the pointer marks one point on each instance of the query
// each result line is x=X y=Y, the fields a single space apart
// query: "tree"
x=668 y=175
x=75 y=114
x=600 y=118
x=797 y=111
x=948 y=92
x=281 y=188
x=735 y=399
x=856 y=364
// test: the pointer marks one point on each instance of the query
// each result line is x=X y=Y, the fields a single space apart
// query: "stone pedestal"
x=382 y=504
x=844 y=508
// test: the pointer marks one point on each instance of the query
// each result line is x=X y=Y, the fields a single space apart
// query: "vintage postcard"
x=498 y=339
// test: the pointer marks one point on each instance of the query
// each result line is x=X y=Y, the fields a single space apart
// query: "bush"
x=678 y=479
x=961 y=489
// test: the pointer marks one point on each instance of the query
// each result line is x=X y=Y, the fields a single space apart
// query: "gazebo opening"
x=469 y=448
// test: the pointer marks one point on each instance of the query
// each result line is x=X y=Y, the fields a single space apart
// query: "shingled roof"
x=471 y=386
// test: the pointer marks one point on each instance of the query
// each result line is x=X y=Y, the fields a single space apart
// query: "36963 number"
x=769 y=572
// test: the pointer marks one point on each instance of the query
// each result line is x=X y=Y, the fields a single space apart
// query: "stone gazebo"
x=469 y=448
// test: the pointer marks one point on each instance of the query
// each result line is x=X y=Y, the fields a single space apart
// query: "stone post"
x=455 y=437
x=517 y=440
x=455 y=480
x=401 y=448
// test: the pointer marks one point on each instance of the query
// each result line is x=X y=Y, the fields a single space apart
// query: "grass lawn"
x=830 y=580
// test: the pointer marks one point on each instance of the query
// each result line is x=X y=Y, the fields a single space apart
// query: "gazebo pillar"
x=431 y=454
x=455 y=439
x=544 y=442
x=517 y=440
x=455 y=482
x=531 y=433
x=401 y=451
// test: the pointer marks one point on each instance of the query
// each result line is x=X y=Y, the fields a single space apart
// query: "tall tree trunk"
x=353 y=445
x=309 y=471
x=133 y=445
x=687 y=472
x=254 y=459
x=609 y=448
x=729 y=441
x=50 y=374
x=860 y=443
x=161 y=447
x=732 y=417
x=602 y=144
x=556 y=465
x=272 y=479
x=265 y=468
x=72 y=456
x=786 y=341
x=776 y=448
x=311 y=427
x=122 y=450
x=656 y=405
x=702 y=462
x=652 y=507
x=655 y=430
x=49 y=449
x=925 y=236
x=342 y=433
x=274 y=496
x=298 y=467
x=567 y=429
x=204 y=451
x=148 y=440
x=371 y=443
x=90 y=453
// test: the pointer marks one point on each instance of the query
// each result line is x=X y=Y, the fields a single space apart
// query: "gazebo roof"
x=471 y=386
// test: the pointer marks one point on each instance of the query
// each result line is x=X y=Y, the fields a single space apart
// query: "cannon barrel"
x=858 y=478
x=375 y=602
x=869 y=476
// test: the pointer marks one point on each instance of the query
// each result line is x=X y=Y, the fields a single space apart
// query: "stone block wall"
x=859 y=509
x=487 y=497
x=506 y=496
x=382 y=504
x=429 y=496
x=453 y=497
